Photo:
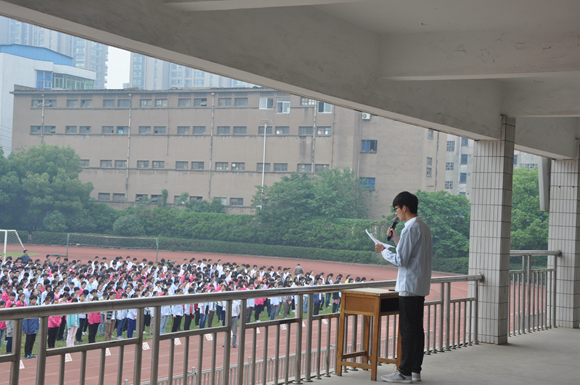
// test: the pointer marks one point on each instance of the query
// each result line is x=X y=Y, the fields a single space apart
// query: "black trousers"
x=176 y=324
x=29 y=344
x=412 y=333
x=61 y=329
x=188 y=319
x=52 y=336
x=93 y=328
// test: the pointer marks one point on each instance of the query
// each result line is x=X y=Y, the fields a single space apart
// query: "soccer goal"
x=74 y=240
x=11 y=244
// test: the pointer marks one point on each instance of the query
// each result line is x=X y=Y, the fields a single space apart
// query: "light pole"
x=265 y=122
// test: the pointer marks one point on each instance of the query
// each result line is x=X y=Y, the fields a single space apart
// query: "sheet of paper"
x=375 y=240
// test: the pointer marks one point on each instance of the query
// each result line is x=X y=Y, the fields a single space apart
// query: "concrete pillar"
x=489 y=250
x=564 y=235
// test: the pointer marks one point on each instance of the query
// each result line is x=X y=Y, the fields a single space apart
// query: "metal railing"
x=447 y=329
x=532 y=295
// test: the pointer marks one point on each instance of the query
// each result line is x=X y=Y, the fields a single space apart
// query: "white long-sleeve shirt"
x=414 y=258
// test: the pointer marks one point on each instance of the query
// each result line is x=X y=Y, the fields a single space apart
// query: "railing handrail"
x=535 y=253
x=136 y=303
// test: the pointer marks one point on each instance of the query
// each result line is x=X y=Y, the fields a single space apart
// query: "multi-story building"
x=458 y=165
x=34 y=67
x=86 y=54
x=211 y=143
x=153 y=74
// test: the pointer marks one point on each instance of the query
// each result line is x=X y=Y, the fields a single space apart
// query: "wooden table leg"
x=340 y=345
x=366 y=320
x=375 y=349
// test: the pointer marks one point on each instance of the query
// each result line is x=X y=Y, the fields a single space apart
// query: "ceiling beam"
x=225 y=5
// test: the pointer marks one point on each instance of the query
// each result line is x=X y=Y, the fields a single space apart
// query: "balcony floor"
x=547 y=357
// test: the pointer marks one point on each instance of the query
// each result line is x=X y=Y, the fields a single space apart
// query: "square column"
x=564 y=236
x=489 y=246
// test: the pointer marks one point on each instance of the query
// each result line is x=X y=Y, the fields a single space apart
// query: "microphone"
x=395 y=222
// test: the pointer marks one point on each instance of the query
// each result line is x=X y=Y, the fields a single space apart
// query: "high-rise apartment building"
x=85 y=54
x=38 y=68
x=153 y=74
x=210 y=143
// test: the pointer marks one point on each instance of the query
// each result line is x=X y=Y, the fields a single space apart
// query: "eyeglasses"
x=396 y=208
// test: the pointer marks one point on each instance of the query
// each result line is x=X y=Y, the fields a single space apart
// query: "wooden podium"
x=368 y=303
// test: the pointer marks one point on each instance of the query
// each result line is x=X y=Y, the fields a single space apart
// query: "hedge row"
x=209 y=246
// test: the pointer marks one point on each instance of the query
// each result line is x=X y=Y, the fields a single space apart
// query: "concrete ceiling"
x=451 y=65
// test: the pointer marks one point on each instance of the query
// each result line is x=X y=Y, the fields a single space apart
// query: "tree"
x=300 y=197
x=46 y=179
x=448 y=216
x=529 y=225
x=128 y=225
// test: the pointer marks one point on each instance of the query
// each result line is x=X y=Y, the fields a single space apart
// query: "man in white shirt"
x=414 y=258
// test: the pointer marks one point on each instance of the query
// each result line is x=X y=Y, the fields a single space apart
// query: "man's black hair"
x=407 y=199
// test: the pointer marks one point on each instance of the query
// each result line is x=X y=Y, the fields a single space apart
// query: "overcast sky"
x=119 y=68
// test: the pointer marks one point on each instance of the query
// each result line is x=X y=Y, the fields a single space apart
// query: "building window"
x=236 y=201
x=118 y=197
x=109 y=103
x=368 y=146
x=121 y=130
x=106 y=163
x=320 y=167
x=261 y=130
x=194 y=198
x=182 y=130
x=159 y=130
x=184 y=103
x=238 y=166
x=35 y=130
x=464 y=158
x=464 y=141
x=142 y=164
x=221 y=166
x=49 y=130
x=160 y=102
x=71 y=129
x=305 y=131
x=158 y=164
x=307 y=102
x=368 y=183
x=260 y=167
x=323 y=130
x=146 y=103
x=429 y=134
x=450 y=145
x=181 y=165
x=240 y=130
x=198 y=130
x=224 y=201
x=198 y=82
x=36 y=103
x=224 y=102
x=178 y=201
x=429 y=171
x=463 y=177
x=108 y=130
x=144 y=130
x=85 y=130
x=141 y=197
x=84 y=163
x=448 y=185
x=266 y=103
x=223 y=130
x=123 y=102
x=283 y=105
x=280 y=167
x=324 y=108
x=120 y=164
x=200 y=102
x=241 y=102
x=530 y=166
x=104 y=196
x=156 y=198
x=429 y=161
x=197 y=165
x=282 y=130
x=72 y=103
x=449 y=166
x=304 y=167
x=86 y=103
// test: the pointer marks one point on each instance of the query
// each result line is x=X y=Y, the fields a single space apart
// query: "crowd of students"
x=25 y=282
